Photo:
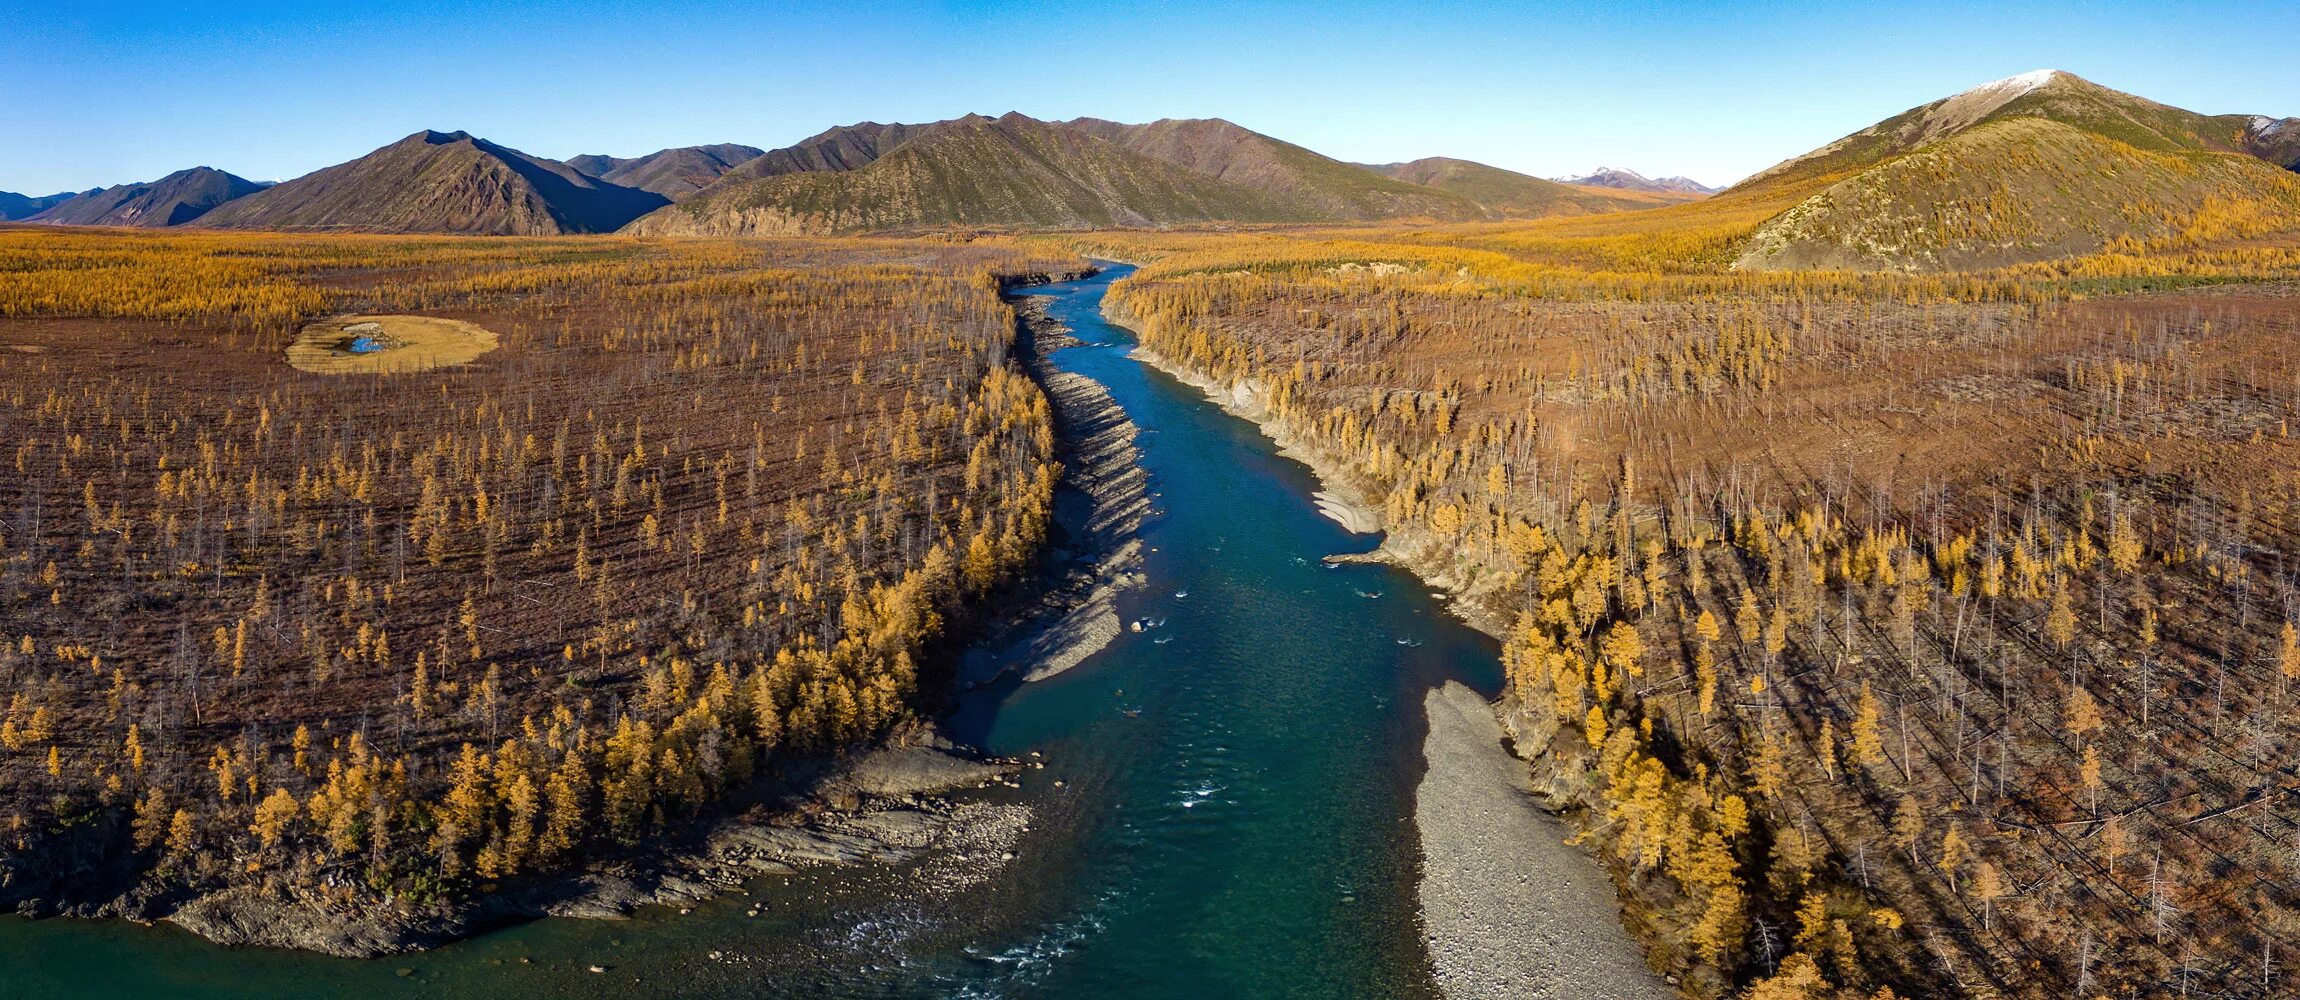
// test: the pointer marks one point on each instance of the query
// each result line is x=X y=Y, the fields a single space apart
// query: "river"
x=1234 y=815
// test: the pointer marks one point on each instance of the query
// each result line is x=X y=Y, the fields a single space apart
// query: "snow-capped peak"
x=2014 y=86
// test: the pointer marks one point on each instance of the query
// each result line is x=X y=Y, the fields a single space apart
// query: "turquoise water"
x=1234 y=816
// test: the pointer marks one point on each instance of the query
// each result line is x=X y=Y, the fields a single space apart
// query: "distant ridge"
x=1631 y=180
x=672 y=173
x=15 y=206
x=443 y=182
x=173 y=200
x=1513 y=195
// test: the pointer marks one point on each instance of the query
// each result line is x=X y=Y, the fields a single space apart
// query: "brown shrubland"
x=708 y=505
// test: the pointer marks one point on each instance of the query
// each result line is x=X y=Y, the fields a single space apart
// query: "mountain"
x=672 y=173
x=2276 y=140
x=1011 y=171
x=15 y=206
x=1631 y=180
x=2031 y=167
x=442 y=182
x=173 y=200
x=1514 y=195
x=1019 y=172
x=1315 y=185
x=847 y=147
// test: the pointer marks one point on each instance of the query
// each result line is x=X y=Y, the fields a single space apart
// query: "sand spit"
x=1510 y=909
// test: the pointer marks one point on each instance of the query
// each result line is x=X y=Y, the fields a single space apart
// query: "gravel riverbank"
x=1510 y=909
x=1098 y=509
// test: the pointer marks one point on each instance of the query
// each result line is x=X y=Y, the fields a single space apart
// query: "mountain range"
x=15 y=206
x=1007 y=172
x=1631 y=180
x=2039 y=165
x=173 y=200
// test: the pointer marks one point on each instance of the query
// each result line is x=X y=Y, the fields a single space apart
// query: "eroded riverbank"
x=1096 y=554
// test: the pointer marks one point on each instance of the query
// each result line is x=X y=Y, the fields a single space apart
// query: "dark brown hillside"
x=173 y=200
x=1321 y=186
x=443 y=182
x=1019 y=172
x=672 y=173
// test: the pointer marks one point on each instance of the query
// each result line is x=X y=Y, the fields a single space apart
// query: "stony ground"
x=1510 y=909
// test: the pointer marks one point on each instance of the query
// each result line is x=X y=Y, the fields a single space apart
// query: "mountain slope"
x=435 y=182
x=1316 y=185
x=672 y=173
x=1631 y=180
x=1012 y=171
x=847 y=147
x=1513 y=195
x=2032 y=167
x=173 y=200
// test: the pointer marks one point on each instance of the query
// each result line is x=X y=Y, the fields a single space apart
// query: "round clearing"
x=360 y=345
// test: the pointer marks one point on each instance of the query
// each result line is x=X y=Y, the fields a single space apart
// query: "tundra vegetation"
x=706 y=507
x=1884 y=631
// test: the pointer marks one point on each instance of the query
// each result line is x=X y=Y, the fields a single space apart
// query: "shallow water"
x=1235 y=815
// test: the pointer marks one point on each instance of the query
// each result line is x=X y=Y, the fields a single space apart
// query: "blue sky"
x=95 y=94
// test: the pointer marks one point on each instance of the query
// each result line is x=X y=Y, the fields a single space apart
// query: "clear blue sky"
x=95 y=94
